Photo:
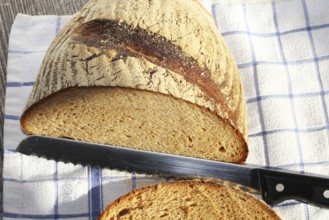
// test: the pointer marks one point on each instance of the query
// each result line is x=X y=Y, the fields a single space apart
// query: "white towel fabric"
x=282 y=50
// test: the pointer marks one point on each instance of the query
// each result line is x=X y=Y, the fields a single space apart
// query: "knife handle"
x=278 y=186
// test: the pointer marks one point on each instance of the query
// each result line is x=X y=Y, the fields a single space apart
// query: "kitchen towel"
x=282 y=51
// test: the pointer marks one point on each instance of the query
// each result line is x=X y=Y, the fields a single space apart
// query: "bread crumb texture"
x=188 y=200
x=135 y=119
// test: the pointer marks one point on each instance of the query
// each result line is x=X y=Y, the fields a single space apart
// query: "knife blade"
x=274 y=185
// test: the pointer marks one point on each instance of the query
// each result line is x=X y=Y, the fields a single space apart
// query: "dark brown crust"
x=217 y=186
x=244 y=148
x=137 y=42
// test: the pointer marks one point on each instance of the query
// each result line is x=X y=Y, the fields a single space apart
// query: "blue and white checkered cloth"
x=282 y=50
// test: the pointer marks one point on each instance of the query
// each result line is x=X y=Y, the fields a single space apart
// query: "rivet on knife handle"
x=278 y=186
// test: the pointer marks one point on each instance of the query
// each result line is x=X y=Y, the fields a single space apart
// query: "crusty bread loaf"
x=188 y=200
x=143 y=74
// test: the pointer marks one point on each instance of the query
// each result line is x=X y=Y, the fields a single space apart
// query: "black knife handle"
x=277 y=186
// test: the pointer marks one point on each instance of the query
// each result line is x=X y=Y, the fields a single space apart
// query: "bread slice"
x=188 y=200
x=153 y=75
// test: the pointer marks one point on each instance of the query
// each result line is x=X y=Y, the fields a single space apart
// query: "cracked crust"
x=136 y=42
x=188 y=200
x=168 y=47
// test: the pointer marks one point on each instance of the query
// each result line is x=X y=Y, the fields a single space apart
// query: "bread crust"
x=191 y=183
x=183 y=24
x=190 y=60
x=136 y=42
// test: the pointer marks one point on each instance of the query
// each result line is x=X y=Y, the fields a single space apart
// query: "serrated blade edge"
x=139 y=161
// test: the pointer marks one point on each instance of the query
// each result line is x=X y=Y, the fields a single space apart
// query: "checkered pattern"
x=282 y=51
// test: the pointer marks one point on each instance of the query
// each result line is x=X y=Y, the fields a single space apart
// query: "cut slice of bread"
x=152 y=75
x=188 y=200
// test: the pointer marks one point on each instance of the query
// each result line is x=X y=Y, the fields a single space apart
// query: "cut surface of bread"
x=188 y=200
x=135 y=119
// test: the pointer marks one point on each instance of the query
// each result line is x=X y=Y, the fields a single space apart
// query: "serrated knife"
x=275 y=186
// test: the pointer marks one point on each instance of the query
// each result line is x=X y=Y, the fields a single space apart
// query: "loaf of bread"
x=148 y=74
x=188 y=200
